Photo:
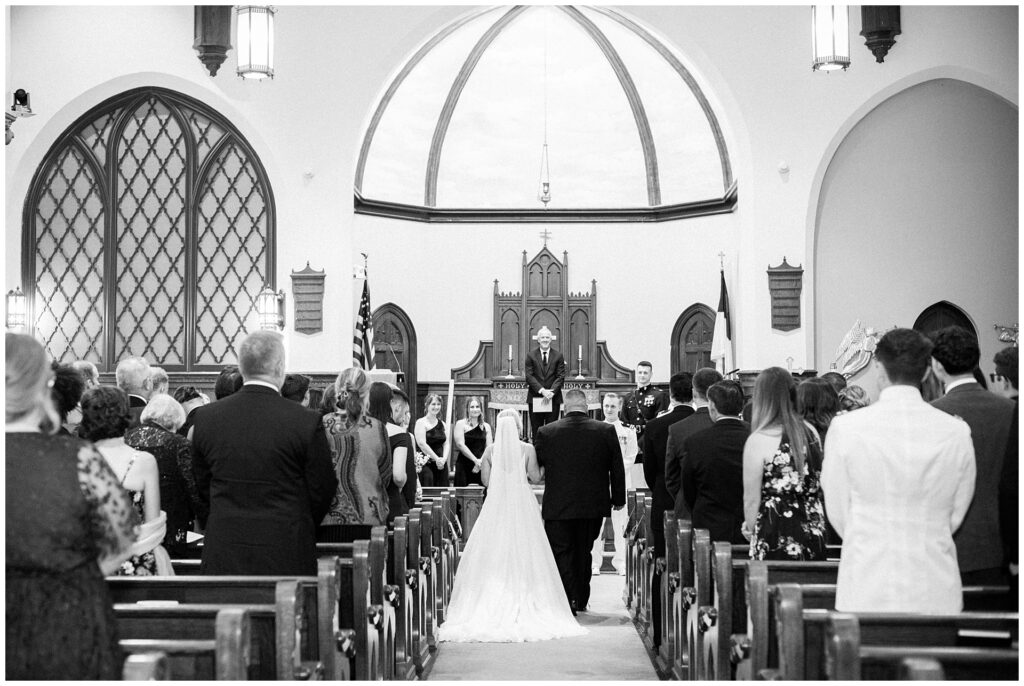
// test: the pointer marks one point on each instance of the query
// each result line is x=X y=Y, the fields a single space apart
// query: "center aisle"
x=611 y=651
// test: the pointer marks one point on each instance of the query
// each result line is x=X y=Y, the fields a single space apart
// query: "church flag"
x=721 y=341
x=362 y=342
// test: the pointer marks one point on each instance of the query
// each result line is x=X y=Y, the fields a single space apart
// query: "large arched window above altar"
x=461 y=130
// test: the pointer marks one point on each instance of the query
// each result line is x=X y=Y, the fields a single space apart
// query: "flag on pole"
x=362 y=342
x=721 y=341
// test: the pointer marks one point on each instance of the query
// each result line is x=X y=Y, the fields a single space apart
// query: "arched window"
x=940 y=315
x=148 y=230
x=691 y=339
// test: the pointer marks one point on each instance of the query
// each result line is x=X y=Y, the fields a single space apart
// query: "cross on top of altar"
x=545 y=234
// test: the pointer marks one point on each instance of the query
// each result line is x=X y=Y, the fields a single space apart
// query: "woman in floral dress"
x=784 y=516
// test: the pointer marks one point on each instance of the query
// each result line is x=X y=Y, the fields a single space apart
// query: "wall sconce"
x=880 y=24
x=270 y=308
x=830 y=37
x=16 y=307
x=255 y=39
x=19 y=108
x=1007 y=334
x=212 y=25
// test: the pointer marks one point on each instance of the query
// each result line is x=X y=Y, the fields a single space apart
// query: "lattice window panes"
x=68 y=275
x=152 y=190
x=231 y=225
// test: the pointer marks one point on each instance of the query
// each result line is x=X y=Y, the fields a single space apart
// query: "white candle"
x=579 y=354
x=510 y=352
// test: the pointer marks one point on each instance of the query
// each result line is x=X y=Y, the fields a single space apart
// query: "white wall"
x=334 y=62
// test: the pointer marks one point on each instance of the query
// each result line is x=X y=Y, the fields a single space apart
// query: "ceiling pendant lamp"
x=830 y=37
x=254 y=26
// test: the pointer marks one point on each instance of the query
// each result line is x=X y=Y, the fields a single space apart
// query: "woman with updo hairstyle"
x=851 y=398
x=105 y=419
x=179 y=498
x=361 y=458
x=68 y=524
x=784 y=517
x=68 y=386
x=817 y=402
x=432 y=440
x=399 y=445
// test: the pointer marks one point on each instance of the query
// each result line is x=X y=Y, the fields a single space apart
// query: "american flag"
x=362 y=342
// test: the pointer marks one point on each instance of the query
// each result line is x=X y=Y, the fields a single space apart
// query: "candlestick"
x=579 y=354
x=579 y=362
x=510 y=351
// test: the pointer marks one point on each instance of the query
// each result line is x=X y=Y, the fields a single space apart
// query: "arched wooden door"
x=394 y=346
x=943 y=314
x=691 y=339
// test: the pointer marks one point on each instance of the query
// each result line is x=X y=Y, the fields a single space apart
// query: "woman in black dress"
x=472 y=436
x=432 y=440
x=69 y=523
x=379 y=407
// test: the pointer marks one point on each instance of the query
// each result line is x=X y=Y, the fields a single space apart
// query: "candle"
x=510 y=352
x=579 y=355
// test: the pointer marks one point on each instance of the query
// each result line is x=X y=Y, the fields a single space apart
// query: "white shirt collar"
x=257 y=382
x=961 y=382
x=899 y=393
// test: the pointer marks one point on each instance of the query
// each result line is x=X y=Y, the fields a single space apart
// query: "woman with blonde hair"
x=784 y=518
x=68 y=524
x=432 y=441
x=472 y=437
x=361 y=458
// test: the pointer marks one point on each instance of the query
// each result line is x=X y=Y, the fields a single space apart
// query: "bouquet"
x=420 y=459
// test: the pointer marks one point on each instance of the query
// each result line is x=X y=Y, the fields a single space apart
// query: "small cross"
x=721 y=260
x=545 y=234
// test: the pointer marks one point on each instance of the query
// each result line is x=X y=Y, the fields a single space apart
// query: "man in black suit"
x=583 y=480
x=712 y=478
x=655 y=438
x=545 y=373
x=979 y=547
x=704 y=379
x=263 y=466
x=133 y=377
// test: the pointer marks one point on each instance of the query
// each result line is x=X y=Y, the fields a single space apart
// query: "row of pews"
x=370 y=614
x=728 y=617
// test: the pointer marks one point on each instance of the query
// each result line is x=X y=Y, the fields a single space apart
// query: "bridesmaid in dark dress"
x=68 y=523
x=432 y=440
x=472 y=436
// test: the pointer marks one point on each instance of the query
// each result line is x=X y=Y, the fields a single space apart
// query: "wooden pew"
x=403 y=579
x=245 y=636
x=468 y=501
x=668 y=567
x=179 y=660
x=294 y=599
x=682 y=599
x=356 y=634
x=847 y=659
x=419 y=563
x=697 y=600
x=801 y=632
x=146 y=667
x=632 y=520
x=645 y=571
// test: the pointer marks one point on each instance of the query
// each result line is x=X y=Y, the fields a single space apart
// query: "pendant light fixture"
x=254 y=26
x=544 y=192
x=830 y=37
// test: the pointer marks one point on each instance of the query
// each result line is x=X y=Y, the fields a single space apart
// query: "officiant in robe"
x=545 y=373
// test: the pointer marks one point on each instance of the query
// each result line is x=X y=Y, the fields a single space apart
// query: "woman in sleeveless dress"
x=379 y=408
x=105 y=418
x=472 y=437
x=782 y=504
x=432 y=440
x=68 y=524
x=507 y=588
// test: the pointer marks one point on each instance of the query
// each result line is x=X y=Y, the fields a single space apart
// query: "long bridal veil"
x=507 y=588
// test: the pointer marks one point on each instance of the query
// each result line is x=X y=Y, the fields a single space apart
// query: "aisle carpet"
x=611 y=651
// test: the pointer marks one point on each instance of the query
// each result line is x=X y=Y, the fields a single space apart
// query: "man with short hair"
x=978 y=542
x=583 y=481
x=643 y=405
x=897 y=480
x=712 y=465
x=1004 y=381
x=158 y=380
x=611 y=405
x=703 y=379
x=263 y=466
x=132 y=377
x=296 y=388
x=545 y=374
x=653 y=444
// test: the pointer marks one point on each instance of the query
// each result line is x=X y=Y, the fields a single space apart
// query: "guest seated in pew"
x=68 y=386
x=898 y=481
x=68 y=523
x=432 y=440
x=401 y=416
x=379 y=408
x=179 y=497
x=712 y=479
x=263 y=466
x=361 y=458
x=106 y=416
x=784 y=517
x=472 y=435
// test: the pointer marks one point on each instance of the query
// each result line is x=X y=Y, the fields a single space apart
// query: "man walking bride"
x=507 y=588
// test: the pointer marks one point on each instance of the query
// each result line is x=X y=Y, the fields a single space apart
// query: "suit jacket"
x=654 y=441
x=712 y=478
x=551 y=377
x=978 y=542
x=263 y=465
x=1009 y=492
x=583 y=472
x=677 y=435
x=640 y=408
x=136 y=404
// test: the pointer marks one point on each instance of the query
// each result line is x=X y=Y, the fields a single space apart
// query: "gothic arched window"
x=148 y=230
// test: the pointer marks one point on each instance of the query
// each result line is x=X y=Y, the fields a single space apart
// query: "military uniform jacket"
x=641 y=406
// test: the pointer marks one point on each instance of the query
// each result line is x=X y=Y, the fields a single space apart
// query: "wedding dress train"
x=507 y=588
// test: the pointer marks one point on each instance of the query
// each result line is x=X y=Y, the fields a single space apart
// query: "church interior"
x=453 y=161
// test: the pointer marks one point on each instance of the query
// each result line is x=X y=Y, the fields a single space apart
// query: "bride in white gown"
x=507 y=588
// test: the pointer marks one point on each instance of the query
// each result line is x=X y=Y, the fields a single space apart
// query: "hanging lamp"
x=254 y=26
x=830 y=37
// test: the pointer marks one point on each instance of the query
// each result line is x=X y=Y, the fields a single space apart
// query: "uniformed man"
x=643 y=404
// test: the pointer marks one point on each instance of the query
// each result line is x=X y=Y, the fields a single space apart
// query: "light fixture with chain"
x=544 y=194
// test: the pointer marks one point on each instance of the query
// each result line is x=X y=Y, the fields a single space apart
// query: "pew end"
x=146 y=667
